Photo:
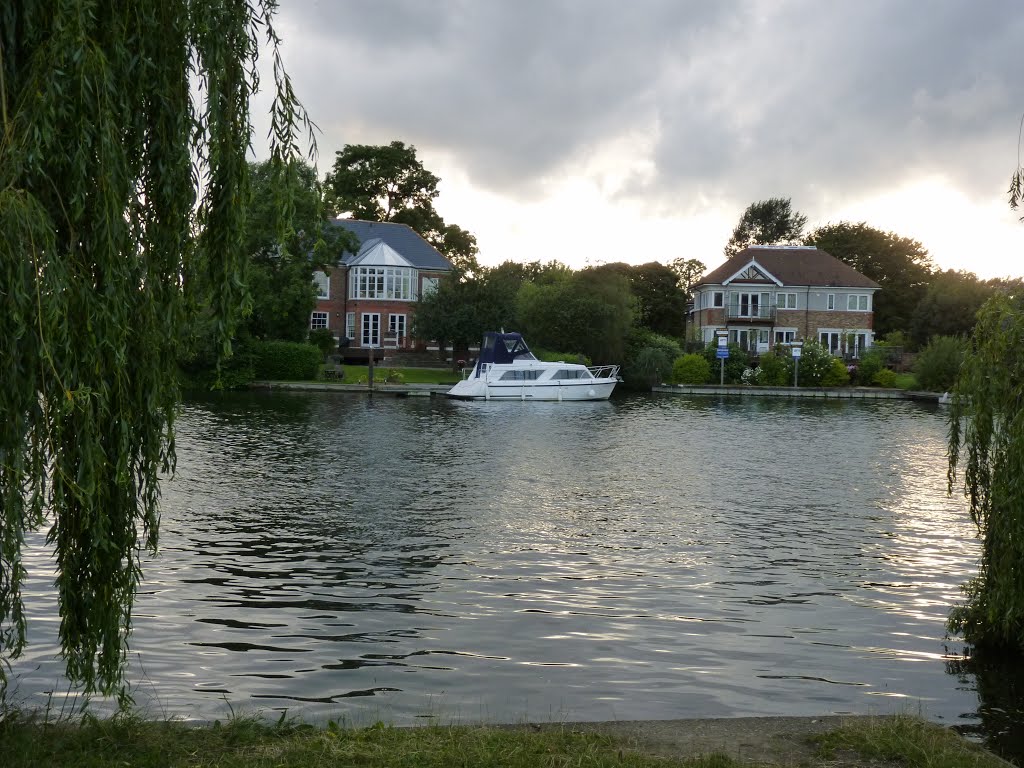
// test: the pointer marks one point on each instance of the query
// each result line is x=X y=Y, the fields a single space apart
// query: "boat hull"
x=590 y=389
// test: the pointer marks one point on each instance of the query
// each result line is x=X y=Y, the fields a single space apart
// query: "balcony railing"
x=754 y=312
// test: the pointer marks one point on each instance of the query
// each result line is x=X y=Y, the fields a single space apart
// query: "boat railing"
x=604 y=371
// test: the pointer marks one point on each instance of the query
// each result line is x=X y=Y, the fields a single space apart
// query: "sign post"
x=796 y=349
x=722 y=353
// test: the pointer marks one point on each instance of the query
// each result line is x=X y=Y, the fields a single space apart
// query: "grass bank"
x=359 y=374
x=131 y=741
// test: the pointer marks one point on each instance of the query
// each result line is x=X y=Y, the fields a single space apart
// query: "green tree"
x=949 y=305
x=122 y=191
x=389 y=183
x=660 y=302
x=280 y=268
x=767 y=222
x=590 y=311
x=900 y=265
x=986 y=444
x=938 y=364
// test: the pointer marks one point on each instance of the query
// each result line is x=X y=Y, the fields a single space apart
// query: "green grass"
x=906 y=741
x=356 y=374
x=126 y=741
x=906 y=381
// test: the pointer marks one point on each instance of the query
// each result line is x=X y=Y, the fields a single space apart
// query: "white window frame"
x=861 y=302
x=319 y=320
x=398 y=326
x=369 y=329
x=788 y=335
x=391 y=283
x=785 y=301
x=350 y=325
x=430 y=285
x=718 y=299
x=837 y=333
x=322 y=281
x=830 y=301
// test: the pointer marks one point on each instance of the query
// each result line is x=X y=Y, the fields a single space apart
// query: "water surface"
x=650 y=557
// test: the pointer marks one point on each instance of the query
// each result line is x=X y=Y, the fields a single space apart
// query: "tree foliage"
x=389 y=183
x=122 y=207
x=660 y=301
x=949 y=305
x=986 y=444
x=280 y=265
x=900 y=265
x=767 y=222
x=589 y=311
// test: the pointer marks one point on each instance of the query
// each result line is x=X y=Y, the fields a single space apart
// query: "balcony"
x=750 y=312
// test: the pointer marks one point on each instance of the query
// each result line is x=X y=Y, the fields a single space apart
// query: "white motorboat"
x=507 y=370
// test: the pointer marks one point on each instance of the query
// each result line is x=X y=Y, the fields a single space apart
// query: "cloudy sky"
x=591 y=131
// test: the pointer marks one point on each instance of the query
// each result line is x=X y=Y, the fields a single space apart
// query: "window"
x=743 y=304
x=318 y=320
x=430 y=285
x=830 y=340
x=381 y=283
x=371 y=329
x=572 y=374
x=528 y=375
x=718 y=299
x=785 y=300
x=785 y=337
x=396 y=328
x=323 y=284
x=857 y=302
x=831 y=302
x=350 y=325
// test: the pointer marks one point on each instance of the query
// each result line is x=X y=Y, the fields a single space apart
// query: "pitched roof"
x=400 y=238
x=793 y=265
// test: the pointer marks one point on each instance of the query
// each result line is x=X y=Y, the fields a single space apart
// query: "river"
x=355 y=558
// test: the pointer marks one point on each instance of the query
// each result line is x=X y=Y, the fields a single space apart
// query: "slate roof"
x=793 y=265
x=399 y=237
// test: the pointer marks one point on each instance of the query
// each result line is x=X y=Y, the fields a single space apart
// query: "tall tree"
x=687 y=272
x=389 y=183
x=122 y=189
x=767 y=222
x=281 y=265
x=590 y=311
x=949 y=306
x=986 y=443
x=900 y=265
x=660 y=302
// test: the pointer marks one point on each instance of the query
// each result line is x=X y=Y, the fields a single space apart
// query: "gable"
x=790 y=265
x=753 y=272
x=377 y=253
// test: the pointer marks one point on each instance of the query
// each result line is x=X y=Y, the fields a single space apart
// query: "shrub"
x=560 y=357
x=735 y=364
x=649 y=358
x=691 y=369
x=776 y=369
x=323 y=339
x=285 y=360
x=815 y=362
x=939 y=362
x=885 y=378
x=836 y=375
x=870 y=363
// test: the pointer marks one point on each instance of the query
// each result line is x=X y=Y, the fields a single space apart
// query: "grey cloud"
x=747 y=99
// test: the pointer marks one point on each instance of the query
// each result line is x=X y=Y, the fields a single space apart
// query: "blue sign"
x=722 y=353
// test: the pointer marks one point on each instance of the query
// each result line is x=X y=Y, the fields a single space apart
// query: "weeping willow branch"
x=123 y=191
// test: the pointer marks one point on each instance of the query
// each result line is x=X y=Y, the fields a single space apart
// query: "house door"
x=371 y=329
x=830 y=340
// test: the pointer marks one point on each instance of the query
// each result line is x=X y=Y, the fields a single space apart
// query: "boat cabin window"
x=575 y=373
x=528 y=375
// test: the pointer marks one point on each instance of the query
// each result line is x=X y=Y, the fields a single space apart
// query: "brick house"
x=767 y=295
x=369 y=297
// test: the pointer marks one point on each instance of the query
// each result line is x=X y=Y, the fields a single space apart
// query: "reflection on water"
x=639 y=558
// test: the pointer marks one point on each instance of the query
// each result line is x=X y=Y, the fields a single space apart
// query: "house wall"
x=337 y=305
